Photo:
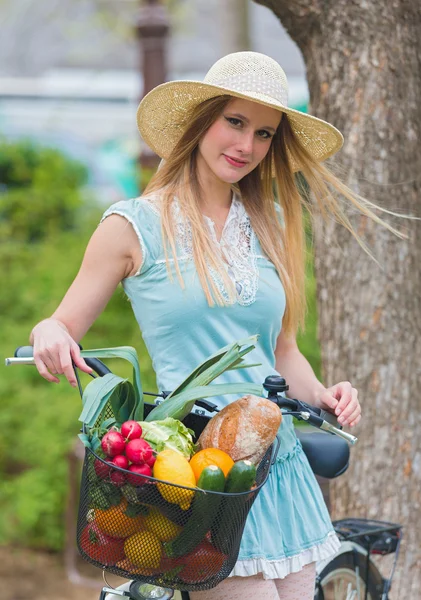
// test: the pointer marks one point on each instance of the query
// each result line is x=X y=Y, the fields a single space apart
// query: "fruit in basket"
x=117 y=521
x=131 y=430
x=173 y=467
x=201 y=564
x=100 y=546
x=164 y=529
x=204 y=509
x=144 y=549
x=128 y=566
x=113 y=443
x=138 y=470
x=138 y=451
x=244 y=429
x=210 y=456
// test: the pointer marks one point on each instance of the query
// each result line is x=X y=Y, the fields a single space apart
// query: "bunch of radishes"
x=128 y=451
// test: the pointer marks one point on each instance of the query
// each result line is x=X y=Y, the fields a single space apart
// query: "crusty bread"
x=244 y=429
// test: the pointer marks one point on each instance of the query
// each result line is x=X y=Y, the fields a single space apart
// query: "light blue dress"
x=288 y=526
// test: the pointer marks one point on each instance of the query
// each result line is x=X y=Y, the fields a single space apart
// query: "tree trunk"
x=234 y=26
x=363 y=63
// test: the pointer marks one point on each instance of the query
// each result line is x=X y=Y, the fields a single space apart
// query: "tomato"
x=201 y=564
x=101 y=547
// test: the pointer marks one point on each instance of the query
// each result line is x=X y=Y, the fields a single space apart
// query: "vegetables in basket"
x=101 y=547
x=126 y=399
x=205 y=507
x=168 y=433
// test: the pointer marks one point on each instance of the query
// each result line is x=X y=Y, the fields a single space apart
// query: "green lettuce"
x=168 y=433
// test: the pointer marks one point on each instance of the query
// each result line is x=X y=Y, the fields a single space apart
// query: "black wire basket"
x=128 y=524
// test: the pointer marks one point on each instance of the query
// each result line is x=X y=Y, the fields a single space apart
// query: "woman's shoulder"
x=138 y=207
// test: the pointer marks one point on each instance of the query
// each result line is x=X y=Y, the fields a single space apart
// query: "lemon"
x=164 y=529
x=173 y=467
x=144 y=549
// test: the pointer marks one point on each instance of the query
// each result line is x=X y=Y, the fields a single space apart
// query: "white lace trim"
x=238 y=250
x=237 y=247
x=278 y=569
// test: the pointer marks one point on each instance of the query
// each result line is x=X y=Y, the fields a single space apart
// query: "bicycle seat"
x=327 y=454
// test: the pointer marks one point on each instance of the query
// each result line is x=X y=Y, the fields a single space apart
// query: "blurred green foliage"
x=39 y=191
x=41 y=250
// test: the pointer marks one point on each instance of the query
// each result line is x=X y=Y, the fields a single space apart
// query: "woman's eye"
x=233 y=120
x=264 y=134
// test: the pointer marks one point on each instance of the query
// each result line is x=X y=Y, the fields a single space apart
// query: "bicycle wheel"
x=345 y=578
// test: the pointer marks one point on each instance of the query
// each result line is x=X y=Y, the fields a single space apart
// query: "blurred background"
x=71 y=75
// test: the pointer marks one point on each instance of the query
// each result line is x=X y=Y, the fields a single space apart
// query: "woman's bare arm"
x=340 y=399
x=112 y=254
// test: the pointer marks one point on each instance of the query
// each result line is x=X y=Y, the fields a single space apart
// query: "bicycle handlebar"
x=275 y=385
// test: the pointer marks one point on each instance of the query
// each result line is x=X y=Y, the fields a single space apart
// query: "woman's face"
x=238 y=140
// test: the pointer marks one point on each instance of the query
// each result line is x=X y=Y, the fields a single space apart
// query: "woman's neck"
x=216 y=195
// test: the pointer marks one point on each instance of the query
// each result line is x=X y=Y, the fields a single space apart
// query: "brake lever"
x=320 y=423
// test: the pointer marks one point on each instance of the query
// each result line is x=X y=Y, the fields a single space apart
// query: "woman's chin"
x=230 y=176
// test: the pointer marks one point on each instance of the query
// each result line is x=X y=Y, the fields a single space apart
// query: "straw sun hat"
x=164 y=113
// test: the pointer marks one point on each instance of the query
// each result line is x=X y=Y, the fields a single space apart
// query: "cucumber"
x=204 y=508
x=241 y=477
x=212 y=479
x=226 y=532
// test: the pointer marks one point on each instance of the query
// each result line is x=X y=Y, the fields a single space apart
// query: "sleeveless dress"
x=288 y=525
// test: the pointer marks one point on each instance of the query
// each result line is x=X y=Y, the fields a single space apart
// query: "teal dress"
x=288 y=526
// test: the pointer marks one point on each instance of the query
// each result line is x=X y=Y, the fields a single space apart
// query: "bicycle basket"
x=127 y=523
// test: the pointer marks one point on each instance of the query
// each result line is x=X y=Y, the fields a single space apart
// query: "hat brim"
x=163 y=116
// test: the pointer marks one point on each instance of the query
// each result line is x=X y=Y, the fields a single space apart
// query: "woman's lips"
x=234 y=162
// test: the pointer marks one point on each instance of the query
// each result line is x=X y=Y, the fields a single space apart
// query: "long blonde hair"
x=273 y=182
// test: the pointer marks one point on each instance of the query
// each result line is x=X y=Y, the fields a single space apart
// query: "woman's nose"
x=245 y=143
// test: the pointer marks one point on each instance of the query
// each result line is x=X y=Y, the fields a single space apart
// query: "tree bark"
x=363 y=61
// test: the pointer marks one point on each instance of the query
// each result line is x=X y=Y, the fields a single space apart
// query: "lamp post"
x=153 y=26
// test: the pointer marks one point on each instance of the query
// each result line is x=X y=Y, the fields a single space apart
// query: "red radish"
x=151 y=461
x=102 y=469
x=139 y=470
x=120 y=461
x=113 y=443
x=131 y=430
x=138 y=451
x=118 y=478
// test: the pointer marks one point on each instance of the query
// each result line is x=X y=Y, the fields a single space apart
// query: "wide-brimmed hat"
x=164 y=113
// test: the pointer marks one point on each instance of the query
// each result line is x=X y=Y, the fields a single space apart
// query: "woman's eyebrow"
x=244 y=118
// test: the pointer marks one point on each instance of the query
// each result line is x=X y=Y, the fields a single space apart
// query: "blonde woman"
x=213 y=252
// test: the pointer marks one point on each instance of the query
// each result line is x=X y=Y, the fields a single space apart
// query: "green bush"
x=40 y=191
x=45 y=223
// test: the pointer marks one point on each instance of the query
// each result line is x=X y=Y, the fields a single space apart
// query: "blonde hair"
x=273 y=182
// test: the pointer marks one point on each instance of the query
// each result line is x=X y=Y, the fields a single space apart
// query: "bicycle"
x=351 y=573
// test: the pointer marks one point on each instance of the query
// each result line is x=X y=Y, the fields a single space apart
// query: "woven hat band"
x=248 y=83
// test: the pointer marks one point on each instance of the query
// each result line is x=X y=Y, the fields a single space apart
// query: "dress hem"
x=281 y=567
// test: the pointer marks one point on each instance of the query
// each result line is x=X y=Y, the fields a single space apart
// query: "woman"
x=213 y=252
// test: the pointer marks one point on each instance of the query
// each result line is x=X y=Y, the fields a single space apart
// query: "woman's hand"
x=342 y=401
x=54 y=351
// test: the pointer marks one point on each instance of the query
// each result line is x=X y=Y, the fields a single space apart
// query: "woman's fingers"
x=43 y=370
x=78 y=360
x=67 y=365
x=352 y=410
x=344 y=389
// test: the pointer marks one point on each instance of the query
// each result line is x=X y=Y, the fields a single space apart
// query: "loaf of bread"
x=244 y=429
